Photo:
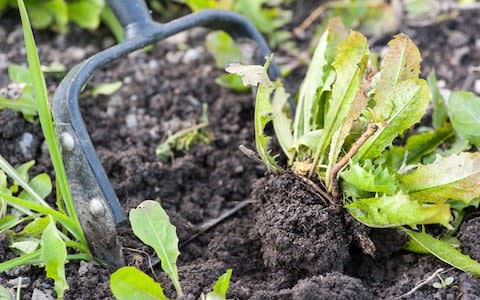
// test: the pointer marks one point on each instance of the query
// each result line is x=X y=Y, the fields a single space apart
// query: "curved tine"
x=65 y=102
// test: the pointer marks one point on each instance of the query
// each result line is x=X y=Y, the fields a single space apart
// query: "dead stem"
x=423 y=282
x=371 y=129
x=317 y=190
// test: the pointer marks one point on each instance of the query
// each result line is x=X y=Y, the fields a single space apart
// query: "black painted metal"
x=142 y=31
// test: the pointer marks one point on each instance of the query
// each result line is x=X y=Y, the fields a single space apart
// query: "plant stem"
x=371 y=129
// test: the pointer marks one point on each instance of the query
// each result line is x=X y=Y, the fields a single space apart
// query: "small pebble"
x=22 y=281
x=238 y=169
x=131 y=121
x=76 y=53
x=179 y=38
x=25 y=144
x=41 y=295
x=17 y=271
x=192 y=55
x=476 y=87
x=174 y=57
x=85 y=267
x=457 y=39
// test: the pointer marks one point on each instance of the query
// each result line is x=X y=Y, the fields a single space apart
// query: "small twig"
x=150 y=265
x=423 y=282
x=317 y=190
x=372 y=128
x=299 y=31
x=250 y=153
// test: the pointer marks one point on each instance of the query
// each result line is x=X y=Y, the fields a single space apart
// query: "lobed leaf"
x=54 y=256
x=370 y=178
x=444 y=251
x=400 y=209
x=151 y=224
x=129 y=283
x=455 y=177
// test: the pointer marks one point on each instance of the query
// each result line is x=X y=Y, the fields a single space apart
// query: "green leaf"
x=223 y=48
x=36 y=227
x=86 y=13
x=54 y=256
x=282 y=121
x=455 y=177
x=19 y=74
x=349 y=65
x=5 y=294
x=41 y=184
x=26 y=246
x=445 y=252
x=151 y=224
x=391 y=211
x=401 y=62
x=409 y=100
x=221 y=287
x=106 y=88
x=370 y=178
x=232 y=82
x=423 y=144
x=8 y=222
x=23 y=105
x=464 y=112
x=129 y=283
x=316 y=77
x=439 y=108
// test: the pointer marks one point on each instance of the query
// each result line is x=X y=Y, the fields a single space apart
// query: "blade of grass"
x=45 y=116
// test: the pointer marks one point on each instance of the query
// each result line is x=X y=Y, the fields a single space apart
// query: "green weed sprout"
x=48 y=232
x=151 y=224
x=348 y=132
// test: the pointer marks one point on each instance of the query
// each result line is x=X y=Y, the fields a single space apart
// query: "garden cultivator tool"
x=97 y=205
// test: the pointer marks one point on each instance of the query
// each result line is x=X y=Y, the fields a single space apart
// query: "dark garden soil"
x=288 y=243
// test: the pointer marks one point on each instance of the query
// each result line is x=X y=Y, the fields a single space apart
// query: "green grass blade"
x=45 y=116
x=221 y=287
x=27 y=259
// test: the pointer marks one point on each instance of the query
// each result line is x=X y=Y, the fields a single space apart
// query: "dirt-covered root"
x=299 y=232
x=469 y=237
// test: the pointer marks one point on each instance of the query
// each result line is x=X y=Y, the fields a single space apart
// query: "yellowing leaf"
x=391 y=211
x=151 y=224
x=54 y=256
x=409 y=100
x=349 y=65
x=251 y=75
x=129 y=283
x=455 y=177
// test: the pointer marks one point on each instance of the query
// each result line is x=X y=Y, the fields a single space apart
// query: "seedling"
x=349 y=116
x=151 y=224
x=185 y=139
x=443 y=283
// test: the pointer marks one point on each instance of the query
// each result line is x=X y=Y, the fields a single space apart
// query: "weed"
x=348 y=118
x=151 y=224
x=40 y=241
x=443 y=283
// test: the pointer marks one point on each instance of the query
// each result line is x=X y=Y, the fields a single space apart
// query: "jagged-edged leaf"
x=425 y=143
x=455 y=177
x=439 y=115
x=151 y=224
x=129 y=283
x=464 y=113
x=54 y=256
x=282 y=121
x=251 y=75
x=400 y=209
x=371 y=178
x=409 y=101
x=317 y=74
x=349 y=66
x=401 y=62
x=445 y=252
x=221 y=287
